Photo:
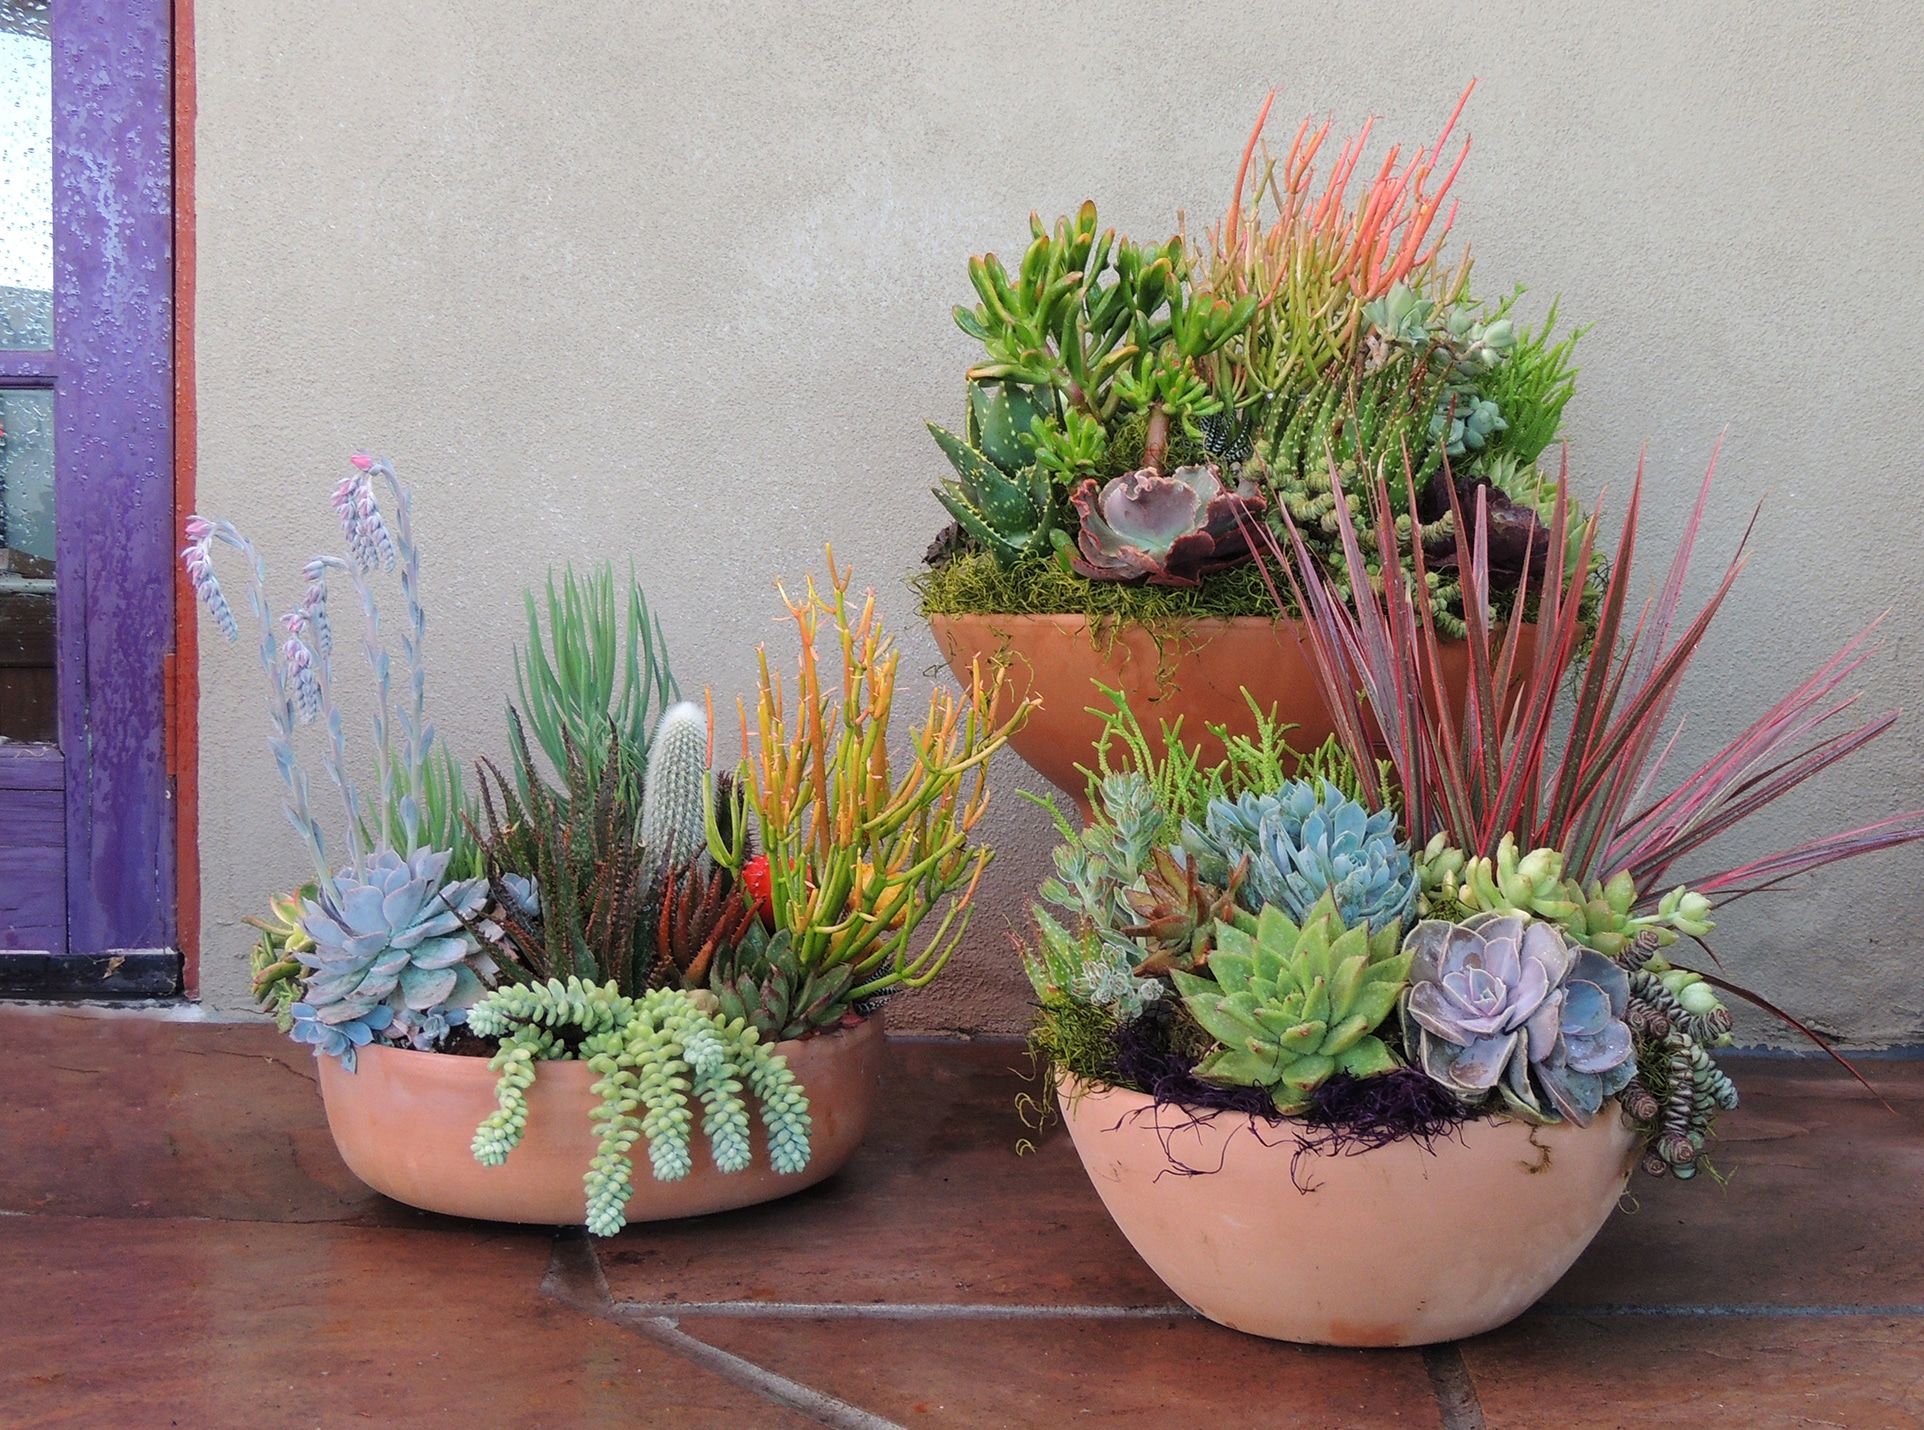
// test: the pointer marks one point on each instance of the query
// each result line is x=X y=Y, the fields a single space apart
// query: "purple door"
x=86 y=497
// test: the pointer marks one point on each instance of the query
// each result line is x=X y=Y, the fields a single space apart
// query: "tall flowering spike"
x=198 y=558
x=314 y=606
x=307 y=689
x=347 y=507
x=372 y=527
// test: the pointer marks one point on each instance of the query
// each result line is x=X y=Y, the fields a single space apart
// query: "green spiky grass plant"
x=595 y=676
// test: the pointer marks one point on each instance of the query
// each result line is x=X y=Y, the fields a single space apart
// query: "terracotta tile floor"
x=180 y=1246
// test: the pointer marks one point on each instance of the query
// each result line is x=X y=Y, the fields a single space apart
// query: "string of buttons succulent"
x=608 y=897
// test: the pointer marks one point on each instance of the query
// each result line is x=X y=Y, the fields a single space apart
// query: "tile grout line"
x=1762 y=1311
x=575 y=1278
x=1456 y=1398
x=900 y=1311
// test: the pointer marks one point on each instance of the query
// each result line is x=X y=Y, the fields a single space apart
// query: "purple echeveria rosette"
x=1505 y=1003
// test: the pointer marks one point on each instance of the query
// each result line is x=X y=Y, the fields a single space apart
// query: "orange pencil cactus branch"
x=859 y=854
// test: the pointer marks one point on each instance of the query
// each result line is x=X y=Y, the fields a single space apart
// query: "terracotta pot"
x=404 y=1121
x=1398 y=1246
x=1198 y=673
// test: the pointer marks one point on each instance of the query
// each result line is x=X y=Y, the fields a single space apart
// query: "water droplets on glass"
x=26 y=175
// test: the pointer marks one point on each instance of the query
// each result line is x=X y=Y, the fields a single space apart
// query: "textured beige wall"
x=672 y=282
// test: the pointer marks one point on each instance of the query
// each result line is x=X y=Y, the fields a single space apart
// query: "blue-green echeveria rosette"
x=1304 y=841
x=391 y=955
x=1505 y=1003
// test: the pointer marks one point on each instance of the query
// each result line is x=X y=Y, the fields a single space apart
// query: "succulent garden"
x=1454 y=909
x=608 y=898
x=1141 y=410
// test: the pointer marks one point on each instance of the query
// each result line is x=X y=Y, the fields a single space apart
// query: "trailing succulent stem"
x=651 y=1052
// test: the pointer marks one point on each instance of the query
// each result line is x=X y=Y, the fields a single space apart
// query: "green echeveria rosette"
x=1293 y=1005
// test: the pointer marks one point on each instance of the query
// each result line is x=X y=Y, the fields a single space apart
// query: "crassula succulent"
x=1170 y=530
x=1293 y=1005
x=1303 y=841
x=390 y=954
x=1504 y=1003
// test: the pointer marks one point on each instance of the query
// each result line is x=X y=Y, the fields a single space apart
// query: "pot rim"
x=787 y=1043
x=1076 y=1088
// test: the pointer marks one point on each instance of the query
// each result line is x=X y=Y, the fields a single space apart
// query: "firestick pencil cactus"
x=860 y=855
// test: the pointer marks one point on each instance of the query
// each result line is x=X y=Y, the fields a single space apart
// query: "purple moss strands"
x=1347 y=1115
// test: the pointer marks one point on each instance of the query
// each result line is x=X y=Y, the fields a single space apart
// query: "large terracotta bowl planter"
x=405 y=1120
x=1397 y=1246
x=1198 y=672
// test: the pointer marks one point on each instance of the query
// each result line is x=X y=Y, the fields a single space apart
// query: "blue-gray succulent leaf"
x=422 y=988
x=399 y=908
x=441 y=952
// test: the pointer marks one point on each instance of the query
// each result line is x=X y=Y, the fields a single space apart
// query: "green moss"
x=1078 y=1038
x=972 y=584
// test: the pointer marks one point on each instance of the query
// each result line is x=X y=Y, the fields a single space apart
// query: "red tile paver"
x=1602 y=1373
x=181 y=1243
x=161 y=1322
x=937 y=1206
x=1133 y=1375
x=1822 y=1204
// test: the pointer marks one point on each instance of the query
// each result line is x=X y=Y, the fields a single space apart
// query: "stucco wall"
x=672 y=282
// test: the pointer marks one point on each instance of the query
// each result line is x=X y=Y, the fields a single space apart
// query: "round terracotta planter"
x=1398 y=1246
x=1197 y=672
x=404 y=1122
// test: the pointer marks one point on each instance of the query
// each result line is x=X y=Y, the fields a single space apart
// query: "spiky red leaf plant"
x=1504 y=764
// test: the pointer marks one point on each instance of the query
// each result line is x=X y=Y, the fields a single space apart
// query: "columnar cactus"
x=675 y=794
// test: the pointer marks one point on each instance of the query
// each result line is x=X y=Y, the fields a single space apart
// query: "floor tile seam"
x=902 y=1310
x=532 y=1232
x=574 y=1262
x=1760 y=1311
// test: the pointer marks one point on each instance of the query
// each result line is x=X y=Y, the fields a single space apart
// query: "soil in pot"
x=404 y=1123
x=1397 y=1245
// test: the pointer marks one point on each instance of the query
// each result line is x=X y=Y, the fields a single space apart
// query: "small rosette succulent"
x=390 y=955
x=1293 y=1005
x=1603 y=916
x=1171 y=530
x=1302 y=842
x=1504 y=1003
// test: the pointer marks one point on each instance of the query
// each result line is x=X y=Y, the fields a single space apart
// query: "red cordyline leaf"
x=1496 y=766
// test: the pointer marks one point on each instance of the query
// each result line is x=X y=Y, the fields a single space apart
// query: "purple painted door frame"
x=111 y=372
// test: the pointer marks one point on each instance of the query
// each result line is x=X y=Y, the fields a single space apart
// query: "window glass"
x=26 y=175
x=29 y=689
